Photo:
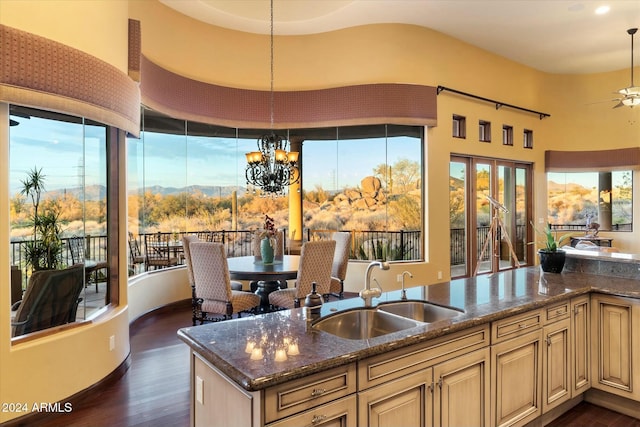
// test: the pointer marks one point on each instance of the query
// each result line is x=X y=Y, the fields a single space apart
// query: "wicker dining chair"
x=213 y=293
x=340 y=263
x=186 y=242
x=316 y=260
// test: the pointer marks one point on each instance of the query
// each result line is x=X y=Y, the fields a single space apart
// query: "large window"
x=367 y=180
x=578 y=198
x=58 y=186
x=190 y=177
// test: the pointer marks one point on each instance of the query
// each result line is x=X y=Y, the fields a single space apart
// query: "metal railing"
x=371 y=245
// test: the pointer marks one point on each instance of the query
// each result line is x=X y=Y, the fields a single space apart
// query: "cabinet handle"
x=559 y=311
x=318 y=419
x=548 y=341
x=440 y=383
x=318 y=392
x=430 y=387
x=522 y=325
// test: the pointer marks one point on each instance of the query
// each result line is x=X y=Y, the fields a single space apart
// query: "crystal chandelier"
x=273 y=168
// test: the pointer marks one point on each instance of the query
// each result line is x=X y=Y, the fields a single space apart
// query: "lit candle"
x=281 y=355
x=256 y=353
x=293 y=349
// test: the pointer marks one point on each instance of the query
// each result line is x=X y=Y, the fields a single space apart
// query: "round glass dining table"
x=265 y=278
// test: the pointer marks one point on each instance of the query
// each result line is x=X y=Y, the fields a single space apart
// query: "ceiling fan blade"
x=619 y=104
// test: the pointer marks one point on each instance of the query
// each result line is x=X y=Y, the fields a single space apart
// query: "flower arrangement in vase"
x=267 y=240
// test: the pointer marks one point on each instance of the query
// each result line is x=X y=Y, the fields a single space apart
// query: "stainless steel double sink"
x=386 y=318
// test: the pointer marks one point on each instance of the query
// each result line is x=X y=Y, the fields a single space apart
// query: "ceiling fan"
x=631 y=94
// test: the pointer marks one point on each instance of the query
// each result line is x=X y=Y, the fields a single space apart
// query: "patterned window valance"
x=41 y=73
x=391 y=103
x=592 y=161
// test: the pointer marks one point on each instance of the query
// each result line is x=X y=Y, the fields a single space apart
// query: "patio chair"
x=135 y=253
x=213 y=293
x=316 y=260
x=159 y=251
x=51 y=299
x=340 y=263
x=78 y=256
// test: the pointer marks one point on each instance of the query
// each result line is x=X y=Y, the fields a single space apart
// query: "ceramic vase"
x=552 y=262
x=266 y=251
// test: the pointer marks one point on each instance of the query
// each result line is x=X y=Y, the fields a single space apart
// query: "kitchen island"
x=490 y=305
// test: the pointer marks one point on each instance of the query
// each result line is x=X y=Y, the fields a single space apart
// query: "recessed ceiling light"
x=602 y=10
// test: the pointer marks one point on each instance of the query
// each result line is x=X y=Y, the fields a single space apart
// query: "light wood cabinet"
x=615 y=321
x=556 y=364
x=462 y=390
x=453 y=393
x=516 y=371
x=405 y=401
x=219 y=402
x=580 y=345
x=442 y=382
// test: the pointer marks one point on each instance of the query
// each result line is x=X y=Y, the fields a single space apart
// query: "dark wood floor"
x=155 y=389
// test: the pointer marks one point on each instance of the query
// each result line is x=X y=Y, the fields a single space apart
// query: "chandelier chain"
x=272 y=100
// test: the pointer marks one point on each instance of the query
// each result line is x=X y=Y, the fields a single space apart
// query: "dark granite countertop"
x=484 y=299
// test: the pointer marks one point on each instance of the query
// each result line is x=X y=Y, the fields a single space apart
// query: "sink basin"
x=360 y=324
x=422 y=311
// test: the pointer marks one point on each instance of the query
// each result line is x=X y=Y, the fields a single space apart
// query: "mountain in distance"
x=207 y=190
x=91 y=193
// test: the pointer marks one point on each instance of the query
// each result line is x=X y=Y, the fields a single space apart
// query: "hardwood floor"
x=587 y=415
x=155 y=389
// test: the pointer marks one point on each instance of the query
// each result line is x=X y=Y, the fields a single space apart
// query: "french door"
x=490 y=207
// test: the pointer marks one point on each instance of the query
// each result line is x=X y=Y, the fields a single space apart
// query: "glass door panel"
x=521 y=217
x=458 y=217
x=505 y=218
x=483 y=247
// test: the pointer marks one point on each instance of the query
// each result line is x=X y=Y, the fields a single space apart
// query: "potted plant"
x=551 y=257
x=44 y=250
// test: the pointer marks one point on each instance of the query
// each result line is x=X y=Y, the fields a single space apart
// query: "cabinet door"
x=556 y=365
x=217 y=401
x=516 y=383
x=580 y=345
x=462 y=390
x=401 y=402
x=614 y=319
x=340 y=413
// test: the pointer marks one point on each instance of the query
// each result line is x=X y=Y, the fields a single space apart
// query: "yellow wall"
x=53 y=368
x=98 y=27
x=366 y=54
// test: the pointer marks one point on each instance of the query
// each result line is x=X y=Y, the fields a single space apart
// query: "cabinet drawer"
x=405 y=361
x=298 y=395
x=342 y=412
x=514 y=326
x=557 y=312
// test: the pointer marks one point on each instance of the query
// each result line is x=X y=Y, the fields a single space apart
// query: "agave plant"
x=551 y=241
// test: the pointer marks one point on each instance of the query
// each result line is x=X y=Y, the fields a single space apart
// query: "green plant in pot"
x=44 y=251
x=551 y=257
